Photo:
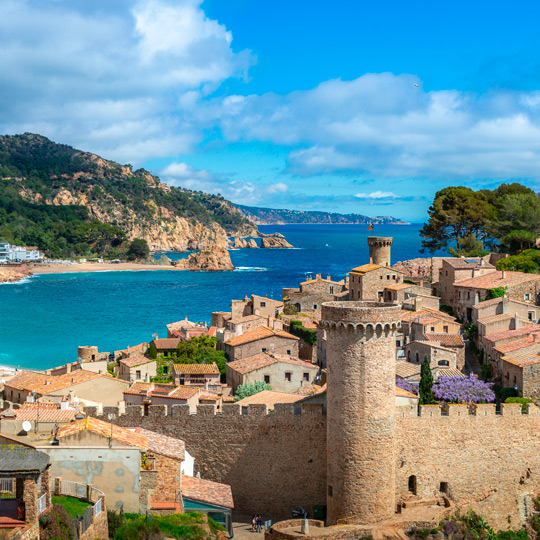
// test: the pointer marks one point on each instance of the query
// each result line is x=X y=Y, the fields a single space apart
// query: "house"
x=311 y=294
x=147 y=394
x=415 y=324
x=196 y=374
x=141 y=348
x=137 y=368
x=256 y=305
x=521 y=371
x=367 y=282
x=455 y=269
x=27 y=473
x=163 y=346
x=283 y=373
x=437 y=354
x=410 y=372
x=242 y=325
x=261 y=340
x=43 y=416
x=185 y=330
x=505 y=305
x=469 y=292
x=83 y=387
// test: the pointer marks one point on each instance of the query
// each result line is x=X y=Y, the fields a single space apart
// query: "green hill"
x=69 y=203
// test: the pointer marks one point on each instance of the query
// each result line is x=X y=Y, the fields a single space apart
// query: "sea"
x=43 y=319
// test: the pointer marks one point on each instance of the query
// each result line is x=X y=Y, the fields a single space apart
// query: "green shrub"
x=309 y=335
x=57 y=525
x=522 y=400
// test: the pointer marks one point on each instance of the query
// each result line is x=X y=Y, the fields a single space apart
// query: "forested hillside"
x=68 y=203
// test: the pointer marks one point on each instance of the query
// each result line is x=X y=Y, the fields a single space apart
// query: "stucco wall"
x=275 y=344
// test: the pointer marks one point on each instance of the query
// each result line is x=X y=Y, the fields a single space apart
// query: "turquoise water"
x=45 y=318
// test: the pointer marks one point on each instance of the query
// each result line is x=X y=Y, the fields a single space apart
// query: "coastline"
x=97 y=267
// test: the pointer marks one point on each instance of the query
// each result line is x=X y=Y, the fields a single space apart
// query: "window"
x=267 y=379
x=412 y=484
x=531 y=315
x=288 y=376
x=387 y=276
x=138 y=374
x=165 y=370
x=394 y=277
x=306 y=377
x=288 y=351
x=527 y=296
x=380 y=277
x=315 y=306
x=417 y=358
x=263 y=349
x=468 y=295
x=330 y=491
x=398 y=343
x=331 y=289
x=263 y=304
x=433 y=329
x=352 y=278
x=443 y=363
x=459 y=294
x=515 y=379
x=408 y=356
x=445 y=329
x=447 y=272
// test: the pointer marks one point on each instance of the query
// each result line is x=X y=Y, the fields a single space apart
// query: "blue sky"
x=345 y=106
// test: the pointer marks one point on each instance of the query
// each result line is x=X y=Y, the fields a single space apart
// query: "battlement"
x=363 y=316
x=228 y=409
x=382 y=241
x=466 y=410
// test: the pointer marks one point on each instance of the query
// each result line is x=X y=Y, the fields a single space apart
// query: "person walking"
x=259 y=523
x=254 y=523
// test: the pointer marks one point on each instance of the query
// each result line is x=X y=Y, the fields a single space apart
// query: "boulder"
x=239 y=243
x=212 y=259
x=275 y=242
x=252 y=244
x=164 y=261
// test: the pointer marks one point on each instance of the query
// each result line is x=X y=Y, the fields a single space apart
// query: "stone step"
x=413 y=503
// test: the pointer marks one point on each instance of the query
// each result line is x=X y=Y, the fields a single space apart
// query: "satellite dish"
x=27 y=426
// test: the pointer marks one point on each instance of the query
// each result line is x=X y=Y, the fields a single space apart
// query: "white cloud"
x=280 y=187
x=381 y=125
x=377 y=195
x=118 y=81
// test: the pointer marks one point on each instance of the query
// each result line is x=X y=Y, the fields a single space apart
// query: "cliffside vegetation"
x=72 y=203
x=272 y=216
x=469 y=223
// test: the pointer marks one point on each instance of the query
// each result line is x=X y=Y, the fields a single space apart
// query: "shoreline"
x=97 y=267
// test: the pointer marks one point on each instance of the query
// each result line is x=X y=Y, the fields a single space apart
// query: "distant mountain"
x=271 y=216
x=74 y=203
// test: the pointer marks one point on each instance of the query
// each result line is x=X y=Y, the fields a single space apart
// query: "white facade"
x=9 y=253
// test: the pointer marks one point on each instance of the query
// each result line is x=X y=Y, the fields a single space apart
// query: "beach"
x=95 y=267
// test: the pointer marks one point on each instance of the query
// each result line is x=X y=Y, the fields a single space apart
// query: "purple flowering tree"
x=463 y=390
x=406 y=385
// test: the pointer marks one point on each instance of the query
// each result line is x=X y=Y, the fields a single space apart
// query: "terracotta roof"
x=406 y=370
x=494 y=318
x=258 y=333
x=404 y=393
x=135 y=348
x=270 y=398
x=470 y=262
x=196 y=369
x=208 y=397
x=427 y=314
x=399 y=286
x=162 y=390
x=517 y=344
x=246 y=318
x=497 y=301
x=47 y=384
x=44 y=412
x=434 y=345
x=140 y=388
x=508 y=334
x=446 y=340
x=138 y=437
x=527 y=357
x=136 y=360
x=448 y=372
x=258 y=361
x=206 y=491
x=184 y=392
x=166 y=343
x=365 y=268
x=495 y=279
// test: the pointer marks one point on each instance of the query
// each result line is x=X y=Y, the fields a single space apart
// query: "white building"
x=9 y=253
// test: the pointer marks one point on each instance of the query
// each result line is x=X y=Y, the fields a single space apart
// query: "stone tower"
x=360 y=355
x=379 y=249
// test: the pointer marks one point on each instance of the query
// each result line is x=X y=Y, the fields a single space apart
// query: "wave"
x=250 y=269
x=22 y=281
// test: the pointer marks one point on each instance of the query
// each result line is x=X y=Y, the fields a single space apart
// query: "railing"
x=73 y=489
x=42 y=504
x=6 y=485
x=98 y=507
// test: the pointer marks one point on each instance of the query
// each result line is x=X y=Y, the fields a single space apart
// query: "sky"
x=342 y=106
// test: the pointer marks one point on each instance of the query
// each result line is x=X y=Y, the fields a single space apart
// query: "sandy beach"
x=95 y=267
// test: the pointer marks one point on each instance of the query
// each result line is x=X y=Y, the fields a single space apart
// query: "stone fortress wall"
x=484 y=459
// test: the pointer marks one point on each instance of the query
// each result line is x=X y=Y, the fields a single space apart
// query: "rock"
x=273 y=235
x=164 y=261
x=212 y=259
x=252 y=244
x=13 y=274
x=415 y=267
x=192 y=245
x=275 y=242
x=239 y=243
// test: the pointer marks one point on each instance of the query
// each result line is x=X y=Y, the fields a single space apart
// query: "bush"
x=139 y=529
x=463 y=390
x=406 y=385
x=522 y=400
x=57 y=525
x=496 y=292
x=115 y=521
x=249 y=389
x=309 y=335
x=138 y=249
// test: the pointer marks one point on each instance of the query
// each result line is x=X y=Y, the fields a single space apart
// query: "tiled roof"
x=166 y=343
x=495 y=279
x=497 y=301
x=258 y=333
x=162 y=444
x=196 y=369
x=208 y=397
x=135 y=348
x=446 y=340
x=246 y=318
x=405 y=370
x=526 y=357
x=162 y=390
x=494 y=318
x=399 y=286
x=404 y=393
x=206 y=491
x=517 y=344
x=46 y=384
x=258 y=361
x=136 y=359
x=448 y=372
x=508 y=334
x=44 y=412
x=140 y=388
x=434 y=345
x=462 y=264
x=16 y=458
x=365 y=268
x=184 y=392
x=270 y=398
x=426 y=314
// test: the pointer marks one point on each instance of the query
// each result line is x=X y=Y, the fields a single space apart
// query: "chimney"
x=328 y=277
x=516 y=321
x=503 y=276
x=482 y=262
x=418 y=304
x=64 y=403
x=475 y=272
x=505 y=304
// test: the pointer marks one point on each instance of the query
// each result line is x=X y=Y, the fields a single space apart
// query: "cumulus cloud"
x=382 y=125
x=280 y=187
x=121 y=80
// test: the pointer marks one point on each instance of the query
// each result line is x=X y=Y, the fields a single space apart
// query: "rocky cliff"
x=275 y=242
x=64 y=186
x=13 y=274
x=213 y=259
x=415 y=267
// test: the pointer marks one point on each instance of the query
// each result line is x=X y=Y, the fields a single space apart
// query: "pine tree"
x=426 y=384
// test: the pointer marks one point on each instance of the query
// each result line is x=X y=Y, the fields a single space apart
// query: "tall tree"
x=456 y=215
x=426 y=384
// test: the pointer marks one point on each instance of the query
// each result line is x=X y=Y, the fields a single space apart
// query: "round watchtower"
x=360 y=355
x=379 y=249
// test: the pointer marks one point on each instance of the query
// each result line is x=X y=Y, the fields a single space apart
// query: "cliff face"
x=275 y=242
x=36 y=172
